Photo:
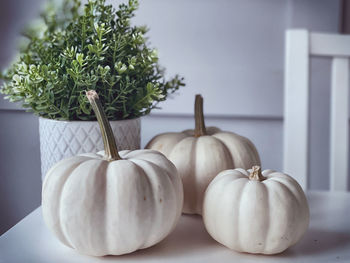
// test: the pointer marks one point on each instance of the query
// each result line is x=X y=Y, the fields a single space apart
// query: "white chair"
x=301 y=45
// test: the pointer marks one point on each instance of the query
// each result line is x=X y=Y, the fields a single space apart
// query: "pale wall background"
x=230 y=51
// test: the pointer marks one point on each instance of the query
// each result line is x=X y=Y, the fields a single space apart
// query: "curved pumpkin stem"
x=111 y=150
x=199 y=117
x=256 y=174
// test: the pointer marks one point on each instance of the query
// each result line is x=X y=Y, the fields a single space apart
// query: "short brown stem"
x=256 y=175
x=199 y=117
x=111 y=150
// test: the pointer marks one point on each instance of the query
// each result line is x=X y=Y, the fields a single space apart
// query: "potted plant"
x=77 y=49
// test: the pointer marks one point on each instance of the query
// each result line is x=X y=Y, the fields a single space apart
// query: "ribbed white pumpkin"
x=200 y=154
x=112 y=204
x=255 y=213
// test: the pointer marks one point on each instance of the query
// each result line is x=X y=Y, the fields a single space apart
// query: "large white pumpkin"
x=112 y=203
x=200 y=154
x=255 y=213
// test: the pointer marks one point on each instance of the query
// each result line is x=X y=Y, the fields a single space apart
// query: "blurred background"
x=230 y=51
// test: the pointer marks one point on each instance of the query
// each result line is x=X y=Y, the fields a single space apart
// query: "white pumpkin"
x=256 y=213
x=112 y=203
x=200 y=154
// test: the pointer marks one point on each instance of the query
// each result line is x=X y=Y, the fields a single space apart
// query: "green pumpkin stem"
x=256 y=174
x=199 y=117
x=111 y=150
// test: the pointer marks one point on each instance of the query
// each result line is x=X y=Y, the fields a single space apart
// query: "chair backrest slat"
x=330 y=45
x=296 y=98
x=300 y=46
x=339 y=124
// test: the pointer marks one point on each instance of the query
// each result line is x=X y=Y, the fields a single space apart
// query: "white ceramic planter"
x=62 y=139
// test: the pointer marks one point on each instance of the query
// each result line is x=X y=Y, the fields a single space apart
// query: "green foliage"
x=75 y=50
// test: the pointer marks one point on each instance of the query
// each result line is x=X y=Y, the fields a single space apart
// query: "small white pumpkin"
x=256 y=213
x=200 y=154
x=112 y=203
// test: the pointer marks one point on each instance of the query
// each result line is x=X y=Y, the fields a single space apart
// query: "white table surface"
x=327 y=240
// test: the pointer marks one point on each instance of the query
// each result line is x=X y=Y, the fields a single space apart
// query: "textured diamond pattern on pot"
x=61 y=139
